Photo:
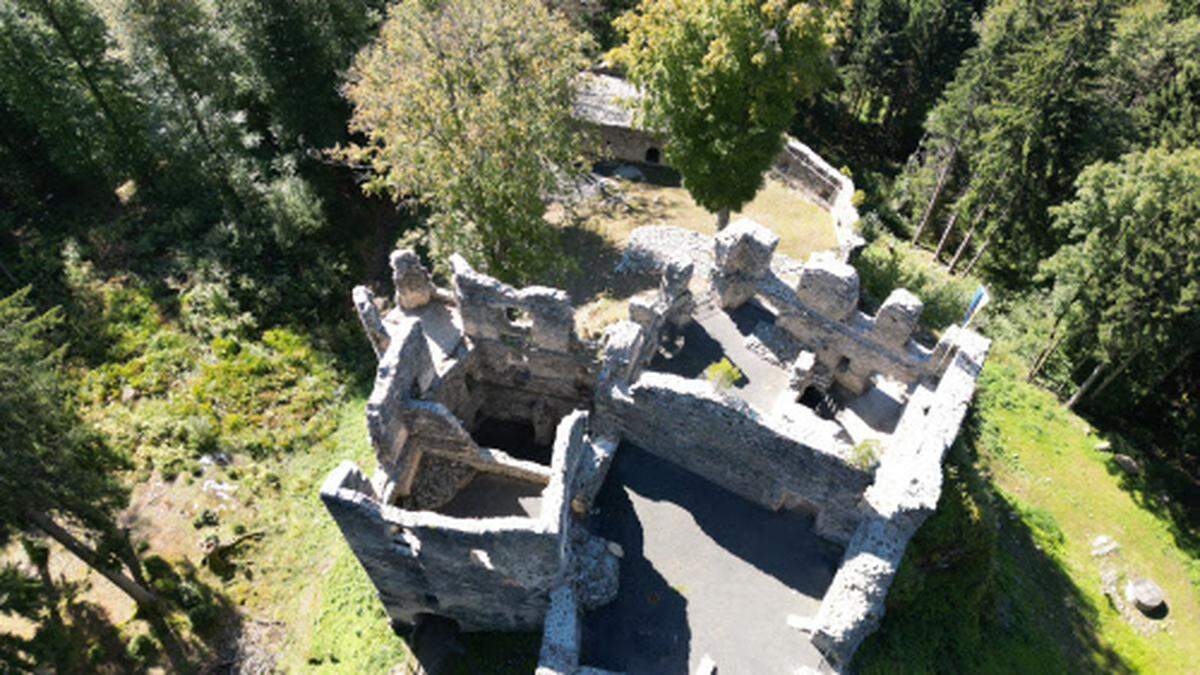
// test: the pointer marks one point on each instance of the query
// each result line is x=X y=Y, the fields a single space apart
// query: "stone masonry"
x=453 y=525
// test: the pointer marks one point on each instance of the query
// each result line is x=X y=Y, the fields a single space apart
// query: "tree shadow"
x=591 y=261
x=1160 y=487
x=980 y=589
x=92 y=643
x=689 y=358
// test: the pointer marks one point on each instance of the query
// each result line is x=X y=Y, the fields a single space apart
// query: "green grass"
x=1026 y=476
x=308 y=578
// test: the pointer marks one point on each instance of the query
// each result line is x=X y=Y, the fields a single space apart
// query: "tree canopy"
x=1129 y=279
x=465 y=106
x=721 y=79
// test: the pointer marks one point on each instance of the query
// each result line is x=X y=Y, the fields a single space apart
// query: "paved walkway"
x=704 y=572
x=713 y=335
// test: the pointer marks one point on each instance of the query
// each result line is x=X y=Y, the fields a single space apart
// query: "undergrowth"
x=166 y=396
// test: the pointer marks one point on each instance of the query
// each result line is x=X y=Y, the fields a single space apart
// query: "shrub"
x=888 y=264
x=142 y=648
x=723 y=374
x=865 y=454
x=206 y=518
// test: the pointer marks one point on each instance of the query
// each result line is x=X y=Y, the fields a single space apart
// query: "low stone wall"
x=905 y=493
x=804 y=170
x=690 y=423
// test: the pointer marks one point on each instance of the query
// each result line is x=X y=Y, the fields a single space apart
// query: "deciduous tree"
x=721 y=78
x=465 y=106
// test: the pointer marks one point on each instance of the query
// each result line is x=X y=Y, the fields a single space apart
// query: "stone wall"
x=803 y=169
x=606 y=105
x=904 y=494
x=484 y=573
x=722 y=439
x=821 y=313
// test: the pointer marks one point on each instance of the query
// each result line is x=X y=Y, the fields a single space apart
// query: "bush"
x=206 y=518
x=865 y=454
x=142 y=648
x=175 y=398
x=888 y=264
x=723 y=374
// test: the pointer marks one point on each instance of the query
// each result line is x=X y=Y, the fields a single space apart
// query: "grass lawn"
x=1001 y=579
x=1043 y=459
x=803 y=227
x=596 y=232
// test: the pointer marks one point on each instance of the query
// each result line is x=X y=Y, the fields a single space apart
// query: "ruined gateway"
x=495 y=427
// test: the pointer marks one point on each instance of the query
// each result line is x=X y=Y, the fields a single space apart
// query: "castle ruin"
x=508 y=448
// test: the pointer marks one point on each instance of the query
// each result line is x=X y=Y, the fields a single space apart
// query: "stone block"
x=898 y=318
x=414 y=286
x=829 y=287
x=745 y=248
x=372 y=322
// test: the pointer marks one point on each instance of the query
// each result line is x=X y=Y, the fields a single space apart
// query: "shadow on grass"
x=980 y=590
x=1162 y=488
x=591 y=261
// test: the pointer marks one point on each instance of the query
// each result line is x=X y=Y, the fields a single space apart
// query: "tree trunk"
x=937 y=253
x=1044 y=355
x=140 y=595
x=978 y=255
x=937 y=193
x=1113 y=375
x=722 y=219
x=114 y=123
x=961 y=248
x=1087 y=384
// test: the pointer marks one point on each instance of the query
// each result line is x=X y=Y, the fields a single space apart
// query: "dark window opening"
x=517 y=438
x=653 y=156
x=820 y=402
x=843 y=364
x=518 y=316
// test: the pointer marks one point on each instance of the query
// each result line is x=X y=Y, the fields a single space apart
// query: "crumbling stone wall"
x=904 y=494
x=803 y=169
x=485 y=573
x=722 y=439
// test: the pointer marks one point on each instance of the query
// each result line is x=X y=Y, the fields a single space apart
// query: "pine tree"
x=59 y=478
x=1022 y=118
x=1129 y=280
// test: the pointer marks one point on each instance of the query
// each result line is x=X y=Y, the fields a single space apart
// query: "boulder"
x=1145 y=595
x=1103 y=545
x=1127 y=464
